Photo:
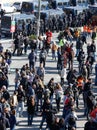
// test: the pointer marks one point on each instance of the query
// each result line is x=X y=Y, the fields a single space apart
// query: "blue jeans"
x=43 y=120
x=16 y=85
x=96 y=80
x=66 y=111
x=13 y=128
x=39 y=100
x=21 y=107
x=77 y=52
x=30 y=118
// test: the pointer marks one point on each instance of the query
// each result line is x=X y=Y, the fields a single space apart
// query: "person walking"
x=21 y=99
x=17 y=78
x=16 y=45
x=47 y=106
x=58 y=93
x=54 y=50
x=32 y=59
x=42 y=56
x=12 y=120
x=31 y=110
x=41 y=72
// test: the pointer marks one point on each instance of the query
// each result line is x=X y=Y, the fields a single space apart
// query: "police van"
x=75 y=10
x=93 y=8
x=17 y=19
x=30 y=6
x=46 y=14
x=59 y=3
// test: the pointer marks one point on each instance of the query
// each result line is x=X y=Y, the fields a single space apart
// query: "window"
x=60 y=4
x=65 y=3
x=28 y=20
x=16 y=3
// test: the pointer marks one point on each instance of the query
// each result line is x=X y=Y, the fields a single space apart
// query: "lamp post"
x=38 y=20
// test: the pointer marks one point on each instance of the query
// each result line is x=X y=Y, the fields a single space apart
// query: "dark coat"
x=31 y=108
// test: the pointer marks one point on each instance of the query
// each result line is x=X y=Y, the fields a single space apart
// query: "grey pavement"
x=51 y=71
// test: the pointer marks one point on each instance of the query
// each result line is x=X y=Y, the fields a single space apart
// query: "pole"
x=38 y=20
x=12 y=35
x=11 y=25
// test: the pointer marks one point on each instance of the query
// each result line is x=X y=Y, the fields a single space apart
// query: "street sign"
x=13 y=23
x=12 y=29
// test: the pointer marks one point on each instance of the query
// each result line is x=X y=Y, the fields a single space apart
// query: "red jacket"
x=93 y=114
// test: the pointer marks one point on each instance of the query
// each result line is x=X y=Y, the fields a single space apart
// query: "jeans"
x=21 y=106
x=96 y=80
x=39 y=100
x=58 y=103
x=43 y=120
x=51 y=98
x=31 y=64
x=66 y=111
x=77 y=52
x=16 y=85
x=43 y=60
x=54 y=54
x=30 y=118
x=13 y=128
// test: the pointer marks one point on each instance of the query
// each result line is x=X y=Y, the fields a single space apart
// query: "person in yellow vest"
x=54 y=48
x=61 y=42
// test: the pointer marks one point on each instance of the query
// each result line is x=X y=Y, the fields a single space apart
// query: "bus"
x=18 y=20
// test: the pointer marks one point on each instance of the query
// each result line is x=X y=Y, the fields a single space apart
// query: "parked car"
x=17 y=5
x=7 y=8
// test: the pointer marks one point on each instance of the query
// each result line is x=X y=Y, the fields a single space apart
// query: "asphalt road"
x=51 y=71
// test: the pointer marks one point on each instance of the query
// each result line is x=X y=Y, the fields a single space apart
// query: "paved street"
x=51 y=71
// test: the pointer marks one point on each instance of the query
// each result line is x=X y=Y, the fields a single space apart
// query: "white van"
x=59 y=3
x=32 y=5
x=75 y=9
x=17 y=5
x=17 y=18
x=7 y=8
x=62 y=3
x=43 y=4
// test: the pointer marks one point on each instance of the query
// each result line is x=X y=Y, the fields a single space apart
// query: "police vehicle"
x=15 y=18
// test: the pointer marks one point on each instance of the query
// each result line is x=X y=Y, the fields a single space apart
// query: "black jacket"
x=30 y=108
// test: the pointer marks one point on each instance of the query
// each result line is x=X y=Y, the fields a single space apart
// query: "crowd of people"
x=56 y=22
x=30 y=88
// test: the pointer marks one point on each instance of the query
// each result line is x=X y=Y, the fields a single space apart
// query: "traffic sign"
x=12 y=23
x=12 y=29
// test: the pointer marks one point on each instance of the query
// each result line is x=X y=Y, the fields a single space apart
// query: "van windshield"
x=16 y=3
x=27 y=7
x=5 y=22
